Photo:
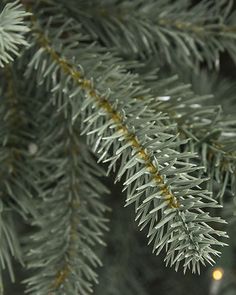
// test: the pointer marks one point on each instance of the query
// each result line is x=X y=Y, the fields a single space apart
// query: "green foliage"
x=174 y=29
x=200 y=33
x=159 y=180
x=103 y=86
x=12 y=31
x=17 y=182
x=212 y=133
x=71 y=212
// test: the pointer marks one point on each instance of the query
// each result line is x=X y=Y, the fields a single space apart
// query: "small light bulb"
x=217 y=274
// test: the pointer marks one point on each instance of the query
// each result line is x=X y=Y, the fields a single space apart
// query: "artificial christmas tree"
x=122 y=88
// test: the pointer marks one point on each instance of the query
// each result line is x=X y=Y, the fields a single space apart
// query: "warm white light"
x=217 y=274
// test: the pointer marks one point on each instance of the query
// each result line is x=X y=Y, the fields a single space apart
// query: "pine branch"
x=212 y=133
x=209 y=145
x=71 y=222
x=12 y=31
x=221 y=155
x=161 y=184
x=17 y=184
x=193 y=34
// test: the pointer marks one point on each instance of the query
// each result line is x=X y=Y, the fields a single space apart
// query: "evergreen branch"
x=12 y=31
x=192 y=33
x=220 y=153
x=212 y=133
x=190 y=124
x=71 y=221
x=117 y=118
x=17 y=187
x=16 y=184
x=157 y=179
